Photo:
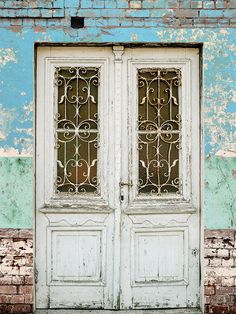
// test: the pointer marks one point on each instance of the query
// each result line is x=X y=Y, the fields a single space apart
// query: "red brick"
x=18 y=280
x=209 y=290
x=8 y=290
x=19 y=308
x=28 y=298
x=17 y=299
x=5 y=280
x=220 y=309
x=28 y=280
x=26 y=234
x=4 y=299
x=9 y=233
x=26 y=290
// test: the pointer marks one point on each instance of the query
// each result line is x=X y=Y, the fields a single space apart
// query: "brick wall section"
x=120 y=13
x=220 y=271
x=16 y=271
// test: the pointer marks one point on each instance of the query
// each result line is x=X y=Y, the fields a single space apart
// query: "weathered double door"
x=117 y=177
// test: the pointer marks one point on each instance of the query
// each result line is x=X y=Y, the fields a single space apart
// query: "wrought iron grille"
x=159 y=130
x=77 y=129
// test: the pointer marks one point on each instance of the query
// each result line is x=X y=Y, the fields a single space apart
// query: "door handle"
x=126 y=183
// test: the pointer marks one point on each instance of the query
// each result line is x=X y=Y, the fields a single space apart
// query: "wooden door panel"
x=161 y=203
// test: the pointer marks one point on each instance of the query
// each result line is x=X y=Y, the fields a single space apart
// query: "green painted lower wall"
x=16 y=202
x=220 y=192
x=16 y=190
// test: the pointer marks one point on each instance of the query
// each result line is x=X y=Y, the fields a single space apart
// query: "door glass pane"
x=77 y=129
x=159 y=131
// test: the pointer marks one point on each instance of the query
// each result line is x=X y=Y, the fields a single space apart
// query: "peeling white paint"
x=6 y=118
x=12 y=152
x=7 y=55
x=134 y=37
x=224 y=31
x=226 y=153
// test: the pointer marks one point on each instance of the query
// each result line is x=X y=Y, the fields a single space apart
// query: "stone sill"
x=170 y=311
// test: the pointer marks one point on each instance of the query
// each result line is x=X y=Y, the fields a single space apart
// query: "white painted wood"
x=160 y=235
x=118 y=249
x=74 y=235
x=117 y=125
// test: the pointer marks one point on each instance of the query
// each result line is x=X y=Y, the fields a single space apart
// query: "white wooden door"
x=160 y=175
x=117 y=178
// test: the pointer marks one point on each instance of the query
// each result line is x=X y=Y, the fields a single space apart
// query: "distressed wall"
x=16 y=105
x=210 y=22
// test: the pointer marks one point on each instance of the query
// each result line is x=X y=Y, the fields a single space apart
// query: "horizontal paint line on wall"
x=12 y=152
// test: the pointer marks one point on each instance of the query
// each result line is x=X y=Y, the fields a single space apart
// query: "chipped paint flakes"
x=134 y=37
x=226 y=153
x=6 y=118
x=16 y=131
x=7 y=55
x=13 y=152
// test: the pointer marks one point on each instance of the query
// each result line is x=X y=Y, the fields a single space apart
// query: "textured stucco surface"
x=16 y=111
x=16 y=192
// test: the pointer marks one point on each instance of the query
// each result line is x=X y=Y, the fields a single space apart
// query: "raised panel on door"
x=74 y=193
x=160 y=179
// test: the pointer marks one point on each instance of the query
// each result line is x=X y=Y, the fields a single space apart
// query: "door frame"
x=199 y=46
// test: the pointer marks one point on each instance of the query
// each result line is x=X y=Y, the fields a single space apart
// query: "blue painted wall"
x=16 y=105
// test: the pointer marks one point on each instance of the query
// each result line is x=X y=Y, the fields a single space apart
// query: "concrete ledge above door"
x=170 y=311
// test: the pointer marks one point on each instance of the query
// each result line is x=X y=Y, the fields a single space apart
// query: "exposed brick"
x=28 y=280
x=210 y=252
x=228 y=262
x=18 y=280
x=26 y=271
x=17 y=299
x=25 y=234
x=196 y=4
x=8 y=290
x=6 y=280
x=186 y=13
x=208 y=4
x=228 y=281
x=220 y=309
x=223 y=253
x=28 y=298
x=9 y=233
x=4 y=299
x=215 y=262
x=209 y=290
x=220 y=272
x=19 y=308
x=133 y=4
x=16 y=258
x=25 y=290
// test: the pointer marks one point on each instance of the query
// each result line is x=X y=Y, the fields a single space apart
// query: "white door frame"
x=118 y=51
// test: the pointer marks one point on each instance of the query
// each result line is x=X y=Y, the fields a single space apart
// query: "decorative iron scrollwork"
x=159 y=130
x=77 y=129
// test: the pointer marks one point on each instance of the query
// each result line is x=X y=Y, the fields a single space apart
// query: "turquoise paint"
x=220 y=196
x=16 y=190
x=16 y=99
x=231 y=107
